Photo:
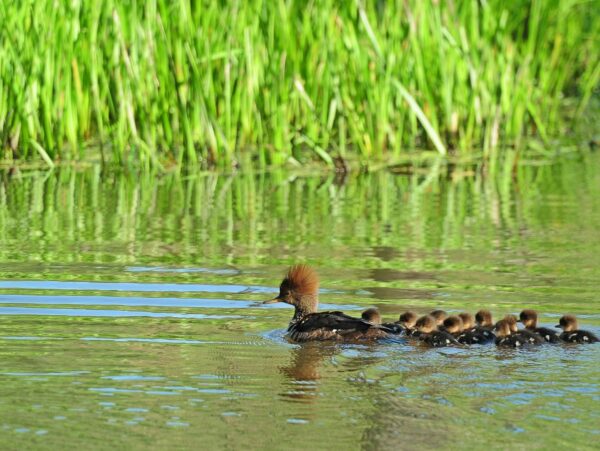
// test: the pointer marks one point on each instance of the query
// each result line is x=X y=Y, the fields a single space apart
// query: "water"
x=130 y=315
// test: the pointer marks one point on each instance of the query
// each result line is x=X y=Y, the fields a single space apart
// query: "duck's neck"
x=308 y=305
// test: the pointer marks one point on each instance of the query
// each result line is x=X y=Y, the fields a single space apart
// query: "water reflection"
x=400 y=424
x=386 y=253
x=303 y=370
x=143 y=291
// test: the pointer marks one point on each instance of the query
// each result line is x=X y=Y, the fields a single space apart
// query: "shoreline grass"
x=261 y=83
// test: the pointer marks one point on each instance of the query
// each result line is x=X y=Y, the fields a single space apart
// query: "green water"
x=129 y=313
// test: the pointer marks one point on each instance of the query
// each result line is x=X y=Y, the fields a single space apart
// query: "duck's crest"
x=303 y=279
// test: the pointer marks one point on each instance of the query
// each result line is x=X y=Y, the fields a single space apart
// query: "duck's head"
x=568 y=323
x=439 y=316
x=372 y=315
x=453 y=324
x=426 y=324
x=528 y=318
x=408 y=319
x=502 y=328
x=299 y=288
x=467 y=320
x=484 y=318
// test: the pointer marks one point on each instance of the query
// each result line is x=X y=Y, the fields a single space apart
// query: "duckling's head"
x=300 y=288
x=408 y=319
x=453 y=324
x=426 y=324
x=502 y=328
x=439 y=316
x=467 y=320
x=484 y=318
x=528 y=318
x=372 y=315
x=568 y=323
x=512 y=323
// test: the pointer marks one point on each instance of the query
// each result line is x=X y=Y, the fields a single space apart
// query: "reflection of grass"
x=404 y=239
x=163 y=83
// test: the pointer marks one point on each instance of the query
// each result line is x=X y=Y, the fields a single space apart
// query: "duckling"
x=484 y=319
x=372 y=315
x=472 y=334
x=453 y=325
x=571 y=333
x=506 y=338
x=439 y=316
x=533 y=337
x=407 y=321
x=300 y=288
x=467 y=320
x=512 y=320
x=529 y=319
x=512 y=323
x=428 y=333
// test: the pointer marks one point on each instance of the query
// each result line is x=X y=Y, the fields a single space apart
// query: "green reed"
x=267 y=83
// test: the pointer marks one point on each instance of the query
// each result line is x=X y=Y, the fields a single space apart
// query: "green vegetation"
x=197 y=84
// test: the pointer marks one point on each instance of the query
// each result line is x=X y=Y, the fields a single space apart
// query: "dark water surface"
x=129 y=313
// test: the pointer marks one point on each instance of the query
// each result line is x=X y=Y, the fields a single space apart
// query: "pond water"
x=130 y=315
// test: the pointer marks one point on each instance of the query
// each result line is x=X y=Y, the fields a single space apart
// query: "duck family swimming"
x=300 y=288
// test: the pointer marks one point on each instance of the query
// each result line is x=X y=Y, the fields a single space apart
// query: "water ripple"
x=130 y=286
x=136 y=301
x=109 y=313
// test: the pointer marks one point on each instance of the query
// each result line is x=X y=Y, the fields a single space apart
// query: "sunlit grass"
x=196 y=84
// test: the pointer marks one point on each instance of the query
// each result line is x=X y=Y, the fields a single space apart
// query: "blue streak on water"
x=149 y=302
x=138 y=286
x=109 y=313
x=176 y=341
x=133 y=377
x=127 y=301
x=131 y=286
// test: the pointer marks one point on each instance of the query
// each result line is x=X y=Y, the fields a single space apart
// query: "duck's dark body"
x=395 y=328
x=476 y=336
x=549 y=335
x=579 y=336
x=438 y=339
x=412 y=333
x=520 y=339
x=334 y=326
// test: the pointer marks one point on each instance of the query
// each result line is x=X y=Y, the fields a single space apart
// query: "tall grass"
x=200 y=84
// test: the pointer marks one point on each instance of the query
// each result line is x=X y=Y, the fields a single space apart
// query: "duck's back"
x=333 y=326
x=548 y=335
x=395 y=328
x=476 y=336
x=532 y=338
x=520 y=339
x=438 y=339
x=579 y=336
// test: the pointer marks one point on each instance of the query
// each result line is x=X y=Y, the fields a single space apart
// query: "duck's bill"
x=559 y=326
x=272 y=301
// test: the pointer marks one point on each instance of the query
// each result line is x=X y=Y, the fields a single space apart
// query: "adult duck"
x=300 y=288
